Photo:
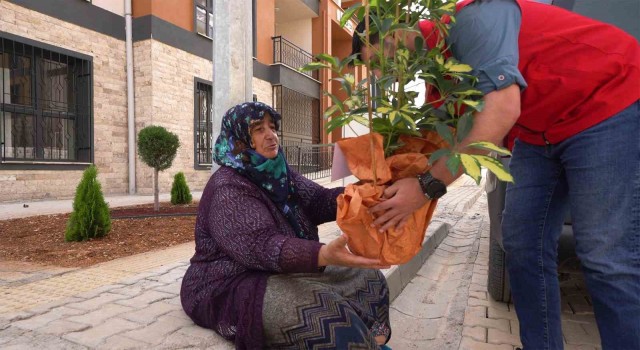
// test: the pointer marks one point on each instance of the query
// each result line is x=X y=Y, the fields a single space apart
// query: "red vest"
x=579 y=72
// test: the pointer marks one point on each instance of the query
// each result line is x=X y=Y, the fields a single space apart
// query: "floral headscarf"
x=233 y=149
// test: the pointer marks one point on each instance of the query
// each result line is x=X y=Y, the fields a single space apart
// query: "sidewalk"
x=133 y=302
x=446 y=306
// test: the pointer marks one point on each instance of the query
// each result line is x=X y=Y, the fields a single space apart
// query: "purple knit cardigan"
x=241 y=239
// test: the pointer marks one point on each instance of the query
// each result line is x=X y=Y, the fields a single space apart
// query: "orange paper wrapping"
x=392 y=246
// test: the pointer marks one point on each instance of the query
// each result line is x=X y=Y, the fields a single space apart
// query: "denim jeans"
x=596 y=175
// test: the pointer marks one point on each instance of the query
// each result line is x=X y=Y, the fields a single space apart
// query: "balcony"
x=287 y=53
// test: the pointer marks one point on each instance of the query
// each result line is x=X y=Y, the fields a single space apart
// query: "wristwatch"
x=431 y=187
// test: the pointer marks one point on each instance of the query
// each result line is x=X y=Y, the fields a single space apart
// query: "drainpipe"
x=131 y=127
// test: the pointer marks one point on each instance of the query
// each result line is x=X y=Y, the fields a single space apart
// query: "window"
x=204 y=17
x=203 y=124
x=45 y=105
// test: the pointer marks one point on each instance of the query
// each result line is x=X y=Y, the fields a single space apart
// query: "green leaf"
x=495 y=166
x=384 y=110
x=444 y=132
x=334 y=61
x=453 y=164
x=335 y=99
x=471 y=103
x=348 y=13
x=458 y=67
x=490 y=147
x=329 y=112
x=471 y=167
x=313 y=66
x=465 y=123
x=438 y=154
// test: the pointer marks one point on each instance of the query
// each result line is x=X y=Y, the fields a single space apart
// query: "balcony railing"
x=293 y=56
x=312 y=161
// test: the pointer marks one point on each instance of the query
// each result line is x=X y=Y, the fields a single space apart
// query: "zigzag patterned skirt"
x=342 y=308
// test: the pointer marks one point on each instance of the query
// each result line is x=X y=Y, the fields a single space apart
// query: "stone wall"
x=164 y=80
x=263 y=90
x=109 y=106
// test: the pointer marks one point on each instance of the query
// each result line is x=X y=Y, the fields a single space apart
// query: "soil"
x=134 y=230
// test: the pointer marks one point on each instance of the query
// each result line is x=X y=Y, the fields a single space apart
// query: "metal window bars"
x=45 y=105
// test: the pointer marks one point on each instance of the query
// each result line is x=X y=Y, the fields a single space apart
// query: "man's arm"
x=502 y=109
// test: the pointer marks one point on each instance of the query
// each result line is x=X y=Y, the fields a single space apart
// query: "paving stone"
x=421 y=310
x=172 y=288
x=501 y=313
x=515 y=327
x=576 y=333
x=470 y=344
x=97 y=317
x=92 y=337
x=61 y=327
x=179 y=314
x=477 y=311
x=500 y=324
x=197 y=331
x=144 y=299
x=475 y=333
x=580 y=347
x=148 y=314
x=94 y=293
x=97 y=302
x=412 y=328
x=118 y=342
x=43 y=308
x=495 y=336
x=138 y=288
x=478 y=295
x=155 y=332
x=41 y=320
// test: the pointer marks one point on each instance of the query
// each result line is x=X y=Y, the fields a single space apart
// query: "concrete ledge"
x=399 y=276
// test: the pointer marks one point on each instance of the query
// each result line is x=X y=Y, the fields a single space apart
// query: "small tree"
x=180 y=193
x=157 y=148
x=90 y=217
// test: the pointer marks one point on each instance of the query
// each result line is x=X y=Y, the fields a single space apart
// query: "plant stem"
x=369 y=102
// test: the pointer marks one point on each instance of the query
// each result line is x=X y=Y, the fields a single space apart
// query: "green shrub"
x=180 y=193
x=157 y=148
x=90 y=217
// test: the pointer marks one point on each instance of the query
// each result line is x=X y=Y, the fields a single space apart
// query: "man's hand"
x=401 y=200
x=336 y=253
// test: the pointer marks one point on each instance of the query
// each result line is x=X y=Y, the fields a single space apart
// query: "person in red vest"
x=566 y=88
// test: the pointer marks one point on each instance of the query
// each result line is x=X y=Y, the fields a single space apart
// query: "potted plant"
x=405 y=136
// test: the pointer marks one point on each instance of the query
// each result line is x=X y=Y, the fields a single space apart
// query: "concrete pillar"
x=232 y=58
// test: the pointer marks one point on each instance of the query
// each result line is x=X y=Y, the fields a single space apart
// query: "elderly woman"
x=258 y=276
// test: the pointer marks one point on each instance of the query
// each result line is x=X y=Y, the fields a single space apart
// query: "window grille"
x=45 y=105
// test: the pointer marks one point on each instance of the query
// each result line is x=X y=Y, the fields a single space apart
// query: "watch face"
x=436 y=189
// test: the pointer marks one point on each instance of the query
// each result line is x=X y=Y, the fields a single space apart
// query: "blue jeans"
x=596 y=175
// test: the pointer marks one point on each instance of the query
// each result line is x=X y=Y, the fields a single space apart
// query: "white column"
x=232 y=58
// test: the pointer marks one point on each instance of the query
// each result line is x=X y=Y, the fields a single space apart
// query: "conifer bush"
x=180 y=193
x=90 y=217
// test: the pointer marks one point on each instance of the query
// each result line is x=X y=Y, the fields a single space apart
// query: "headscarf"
x=233 y=149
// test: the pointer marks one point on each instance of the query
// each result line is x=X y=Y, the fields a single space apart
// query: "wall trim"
x=280 y=74
x=83 y=14
x=172 y=35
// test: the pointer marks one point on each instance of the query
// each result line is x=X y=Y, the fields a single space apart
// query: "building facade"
x=63 y=85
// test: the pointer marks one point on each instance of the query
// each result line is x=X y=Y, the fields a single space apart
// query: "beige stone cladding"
x=109 y=106
x=263 y=90
x=164 y=79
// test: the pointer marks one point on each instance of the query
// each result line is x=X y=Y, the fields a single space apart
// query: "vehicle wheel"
x=498 y=279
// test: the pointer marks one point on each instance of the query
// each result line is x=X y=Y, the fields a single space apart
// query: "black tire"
x=497 y=278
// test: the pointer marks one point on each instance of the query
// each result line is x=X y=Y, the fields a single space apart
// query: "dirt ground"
x=40 y=239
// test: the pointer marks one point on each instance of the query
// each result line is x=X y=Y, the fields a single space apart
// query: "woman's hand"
x=336 y=253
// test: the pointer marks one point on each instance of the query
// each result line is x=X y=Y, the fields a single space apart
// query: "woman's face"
x=264 y=139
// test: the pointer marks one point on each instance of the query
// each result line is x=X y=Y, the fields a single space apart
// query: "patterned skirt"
x=342 y=308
